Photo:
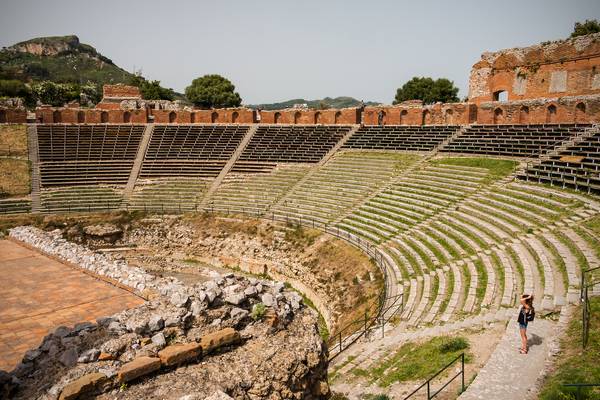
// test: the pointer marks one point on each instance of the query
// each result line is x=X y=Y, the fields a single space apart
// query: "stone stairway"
x=32 y=141
x=139 y=160
x=229 y=165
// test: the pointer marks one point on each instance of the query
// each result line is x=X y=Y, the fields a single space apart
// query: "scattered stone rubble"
x=234 y=337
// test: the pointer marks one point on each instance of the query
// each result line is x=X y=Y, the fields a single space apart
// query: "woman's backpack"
x=530 y=315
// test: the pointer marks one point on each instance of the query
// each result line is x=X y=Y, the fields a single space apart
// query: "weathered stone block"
x=80 y=387
x=179 y=353
x=139 y=367
x=218 y=339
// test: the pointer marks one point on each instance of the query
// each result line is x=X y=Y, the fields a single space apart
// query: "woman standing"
x=526 y=314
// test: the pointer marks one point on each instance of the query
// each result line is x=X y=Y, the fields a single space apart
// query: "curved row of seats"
x=577 y=167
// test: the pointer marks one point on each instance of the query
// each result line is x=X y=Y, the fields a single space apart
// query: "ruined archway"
x=580 y=115
x=56 y=117
x=297 y=117
x=317 y=117
x=403 y=116
x=193 y=117
x=172 y=117
x=234 y=117
x=498 y=116
x=524 y=115
x=126 y=117
x=551 y=114
x=104 y=117
x=214 y=117
x=277 y=118
x=80 y=117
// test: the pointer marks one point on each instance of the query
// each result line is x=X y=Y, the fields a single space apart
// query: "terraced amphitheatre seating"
x=292 y=143
x=82 y=198
x=400 y=137
x=411 y=199
x=256 y=192
x=462 y=239
x=512 y=140
x=578 y=167
x=340 y=184
x=87 y=154
x=168 y=194
x=190 y=150
x=15 y=205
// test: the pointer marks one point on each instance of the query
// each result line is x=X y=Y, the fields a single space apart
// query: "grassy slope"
x=573 y=364
x=413 y=362
x=14 y=166
x=497 y=168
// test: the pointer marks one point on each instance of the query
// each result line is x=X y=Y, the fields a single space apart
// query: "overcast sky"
x=275 y=50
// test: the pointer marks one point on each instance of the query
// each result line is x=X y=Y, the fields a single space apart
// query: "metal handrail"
x=427 y=383
x=364 y=245
x=579 y=386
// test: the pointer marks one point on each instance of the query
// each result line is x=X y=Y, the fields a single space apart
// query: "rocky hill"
x=59 y=59
x=327 y=102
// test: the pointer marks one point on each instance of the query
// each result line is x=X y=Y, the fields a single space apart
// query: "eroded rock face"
x=222 y=346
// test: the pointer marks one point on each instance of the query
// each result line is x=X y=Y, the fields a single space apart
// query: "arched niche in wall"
x=172 y=117
x=104 y=117
x=80 y=117
x=234 y=117
x=127 y=117
x=580 y=112
x=551 y=114
x=297 y=117
x=426 y=118
x=214 y=117
x=337 y=117
x=403 y=117
x=56 y=117
x=524 y=115
x=317 y=117
x=498 y=116
x=449 y=117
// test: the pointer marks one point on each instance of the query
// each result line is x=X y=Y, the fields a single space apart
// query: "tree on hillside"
x=585 y=28
x=151 y=90
x=428 y=90
x=213 y=91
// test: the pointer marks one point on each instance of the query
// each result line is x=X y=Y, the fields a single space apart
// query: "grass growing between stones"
x=449 y=290
x=497 y=168
x=593 y=224
x=500 y=275
x=575 y=365
x=416 y=361
x=557 y=260
x=587 y=235
x=13 y=140
x=14 y=177
x=519 y=267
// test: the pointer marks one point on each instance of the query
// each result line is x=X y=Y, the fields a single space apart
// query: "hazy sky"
x=275 y=50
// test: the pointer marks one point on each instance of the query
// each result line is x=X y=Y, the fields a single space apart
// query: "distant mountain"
x=61 y=59
x=327 y=102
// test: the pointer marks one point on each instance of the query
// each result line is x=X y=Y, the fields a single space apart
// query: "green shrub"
x=454 y=344
x=258 y=311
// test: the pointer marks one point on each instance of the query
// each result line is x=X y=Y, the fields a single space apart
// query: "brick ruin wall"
x=569 y=109
x=549 y=70
x=556 y=82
